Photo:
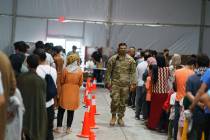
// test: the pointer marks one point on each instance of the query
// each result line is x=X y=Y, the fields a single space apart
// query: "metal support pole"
x=202 y=25
x=109 y=23
x=14 y=14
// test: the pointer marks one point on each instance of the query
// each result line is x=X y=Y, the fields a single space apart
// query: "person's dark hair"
x=193 y=56
x=154 y=77
x=174 y=87
x=166 y=50
x=21 y=46
x=122 y=44
x=153 y=53
x=39 y=44
x=202 y=60
x=48 y=46
x=32 y=61
x=142 y=53
x=58 y=49
x=41 y=54
x=17 y=61
x=74 y=47
x=161 y=62
x=191 y=61
x=146 y=55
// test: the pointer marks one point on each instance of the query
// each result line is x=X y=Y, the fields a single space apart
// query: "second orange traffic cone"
x=94 y=105
x=85 y=133
x=92 y=118
x=94 y=84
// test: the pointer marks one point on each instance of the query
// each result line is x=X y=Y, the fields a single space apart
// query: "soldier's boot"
x=113 y=120
x=120 y=122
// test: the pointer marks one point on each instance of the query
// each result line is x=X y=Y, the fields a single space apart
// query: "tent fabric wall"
x=30 y=30
x=73 y=29
x=178 y=39
x=5 y=33
x=95 y=35
x=6 y=6
x=157 y=11
x=78 y=9
x=208 y=13
x=206 y=44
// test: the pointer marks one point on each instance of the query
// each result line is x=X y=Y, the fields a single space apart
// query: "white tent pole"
x=109 y=23
x=14 y=15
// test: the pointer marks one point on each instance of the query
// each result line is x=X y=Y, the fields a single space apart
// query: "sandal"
x=68 y=130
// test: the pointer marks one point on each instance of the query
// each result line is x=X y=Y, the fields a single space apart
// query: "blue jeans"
x=176 y=119
x=140 y=99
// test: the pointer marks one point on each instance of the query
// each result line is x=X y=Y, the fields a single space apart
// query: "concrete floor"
x=134 y=130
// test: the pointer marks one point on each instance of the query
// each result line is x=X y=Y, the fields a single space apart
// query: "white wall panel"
x=79 y=9
x=6 y=6
x=30 y=29
x=208 y=13
x=178 y=39
x=206 y=44
x=74 y=29
x=157 y=11
x=5 y=33
x=95 y=35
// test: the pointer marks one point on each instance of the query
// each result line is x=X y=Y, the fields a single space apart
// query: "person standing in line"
x=160 y=88
x=132 y=94
x=42 y=70
x=71 y=81
x=33 y=91
x=8 y=89
x=181 y=76
x=59 y=62
x=140 y=90
x=120 y=77
x=192 y=85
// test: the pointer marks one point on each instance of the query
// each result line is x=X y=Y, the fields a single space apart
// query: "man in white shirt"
x=43 y=69
x=140 y=90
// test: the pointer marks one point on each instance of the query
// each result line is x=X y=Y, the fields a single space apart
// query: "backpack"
x=51 y=87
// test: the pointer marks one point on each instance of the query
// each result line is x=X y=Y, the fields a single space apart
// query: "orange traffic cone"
x=94 y=105
x=86 y=126
x=94 y=84
x=85 y=96
x=92 y=118
x=92 y=136
x=88 y=101
x=88 y=85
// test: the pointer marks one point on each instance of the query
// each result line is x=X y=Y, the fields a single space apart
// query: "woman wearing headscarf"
x=8 y=88
x=71 y=80
x=175 y=64
x=160 y=88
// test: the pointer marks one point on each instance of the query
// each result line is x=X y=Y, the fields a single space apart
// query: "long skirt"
x=157 y=102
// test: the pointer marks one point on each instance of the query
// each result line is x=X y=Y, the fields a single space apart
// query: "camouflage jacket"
x=121 y=71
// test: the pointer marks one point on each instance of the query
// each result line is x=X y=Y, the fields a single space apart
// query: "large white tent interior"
x=180 y=25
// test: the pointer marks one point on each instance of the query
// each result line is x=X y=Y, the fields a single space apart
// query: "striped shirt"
x=161 y=86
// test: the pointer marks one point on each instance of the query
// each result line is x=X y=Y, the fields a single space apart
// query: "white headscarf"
x=72 y=67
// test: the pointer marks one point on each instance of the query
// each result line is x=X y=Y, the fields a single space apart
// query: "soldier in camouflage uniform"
x=120 y=77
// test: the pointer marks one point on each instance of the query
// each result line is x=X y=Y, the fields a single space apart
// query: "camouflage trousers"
x=119 y=95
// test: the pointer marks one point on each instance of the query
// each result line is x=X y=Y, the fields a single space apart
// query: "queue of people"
x=169 y=96
x=33 y=86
